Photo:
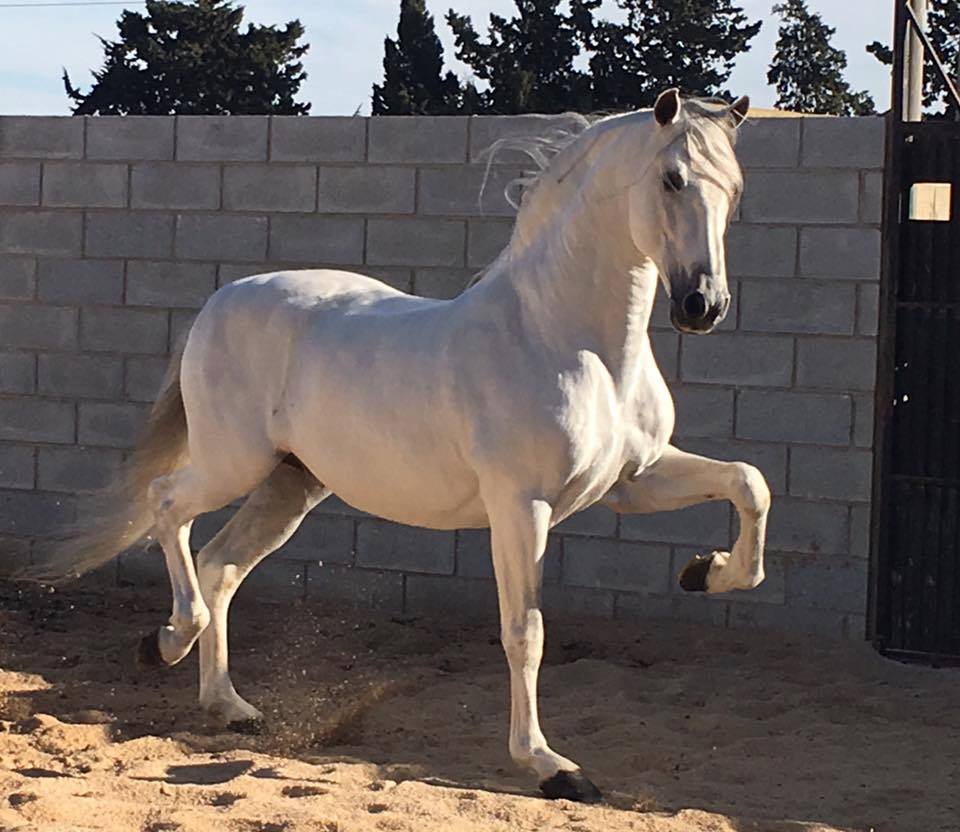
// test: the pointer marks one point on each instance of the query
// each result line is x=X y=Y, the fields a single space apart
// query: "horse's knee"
x=751 y=490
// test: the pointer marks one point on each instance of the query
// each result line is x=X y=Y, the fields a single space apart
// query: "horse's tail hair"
x=119 y=516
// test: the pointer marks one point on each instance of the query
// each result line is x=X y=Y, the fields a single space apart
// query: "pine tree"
x=943 y=29
x=192 y=58
x=690 y=44
x=807 y=71
x=413 y=79
x=527 y=61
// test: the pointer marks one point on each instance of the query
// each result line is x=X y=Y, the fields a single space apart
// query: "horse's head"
x=681 y=207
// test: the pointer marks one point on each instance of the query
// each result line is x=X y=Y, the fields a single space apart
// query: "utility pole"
x=913 y=66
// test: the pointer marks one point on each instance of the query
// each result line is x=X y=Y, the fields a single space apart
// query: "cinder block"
x=485 y=240
x=596 y=521
x=486 y=130
x=270 y=188
x=129 y=234
x=802 y=197
x=843 y=142
x=745 y=360
x=814 y=528
x=16 y=466
x=130 y=138
x=408 y=139
x=666 y=351
x=80 y=281
x=828 y=583
x=597 y=563
x=771 y=591
x=761 y=251
x=787 y=619
x=840 y=253
x=771 y=460
x=322 y=539
x=706 y=524
x=383 y=545
x=229 y=272
x=868 y=309
x=38 y=327
x=76 y=469
x=831 y=473
x=397 y=277
x=367 y=190
x=174 y=185
x=143 y=376
x=781 y=306
x=474 y=559
x=279 y=581
x=181 y=321
x=415 y=242
x=170 y=284
x=769 y=143
x=781 y=416
x=836 y=363
x=863 y=418
x=871 y=198
x=353 y=588
x=324 y=139
x=860 y=531
x=70 y=375
x=576 y=602
x=221 y=237
x=17 y=277
x=19 y=183
x=336 y=241
x=222 y=138
x=34 y=514
x=47 y=137
x=453 y=599
x=136 y=331
x=112 y=425
x=469 y=191
x=36 y=420
x=696 y=607
x=440 y=283
x=58 y=233
x=703 y=411
x=18 y=372
x=84 y=185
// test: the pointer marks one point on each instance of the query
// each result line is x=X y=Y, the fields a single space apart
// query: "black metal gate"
x=915 y=598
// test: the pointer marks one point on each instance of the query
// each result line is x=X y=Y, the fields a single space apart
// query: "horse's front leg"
x=518 y=532
x=678 y=480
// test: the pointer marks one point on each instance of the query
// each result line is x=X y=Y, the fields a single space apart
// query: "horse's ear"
x=739 y=110
x=667 y=108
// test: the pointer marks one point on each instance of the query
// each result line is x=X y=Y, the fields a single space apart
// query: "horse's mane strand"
x=544 y=148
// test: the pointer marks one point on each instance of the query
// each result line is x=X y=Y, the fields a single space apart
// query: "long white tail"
x=119 y=516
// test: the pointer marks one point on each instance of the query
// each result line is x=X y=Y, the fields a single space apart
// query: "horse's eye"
x=673 y=181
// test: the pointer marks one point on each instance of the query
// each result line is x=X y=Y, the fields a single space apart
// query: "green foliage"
x=192 y=58
x=527 y=61
x=690 y=44
x=807 y=71
x=413 y=79
x=943 y=29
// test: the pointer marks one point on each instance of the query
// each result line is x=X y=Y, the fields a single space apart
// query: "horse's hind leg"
x=268 y=518
x=177 y=499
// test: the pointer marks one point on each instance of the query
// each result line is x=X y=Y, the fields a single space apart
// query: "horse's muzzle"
x=694 y=315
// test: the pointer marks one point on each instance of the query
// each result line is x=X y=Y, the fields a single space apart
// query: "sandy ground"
x=387 y=724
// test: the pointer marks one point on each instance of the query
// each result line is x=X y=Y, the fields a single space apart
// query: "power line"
x=75 y=3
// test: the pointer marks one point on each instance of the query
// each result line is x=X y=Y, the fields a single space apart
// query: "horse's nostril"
x=695 y=306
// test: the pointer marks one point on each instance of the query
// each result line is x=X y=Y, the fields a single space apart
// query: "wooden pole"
x=913 y=66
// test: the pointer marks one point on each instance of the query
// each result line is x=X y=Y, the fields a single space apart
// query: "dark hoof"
x=250 y=727
x=693 y=578
x=571 y=785
x=148 y=652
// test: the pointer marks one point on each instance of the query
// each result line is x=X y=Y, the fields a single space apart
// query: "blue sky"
x=346 y=47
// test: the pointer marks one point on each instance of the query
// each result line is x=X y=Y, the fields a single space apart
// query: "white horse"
x=529 y=397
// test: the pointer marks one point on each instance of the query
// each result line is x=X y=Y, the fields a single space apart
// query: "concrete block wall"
x=113 y=231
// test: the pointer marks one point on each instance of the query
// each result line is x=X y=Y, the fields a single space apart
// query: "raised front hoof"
x=571 y=785
x=148 y=652
x=693 y=577
x=252 y=727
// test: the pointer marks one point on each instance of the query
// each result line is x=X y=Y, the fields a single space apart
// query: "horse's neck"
x=581 y=284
